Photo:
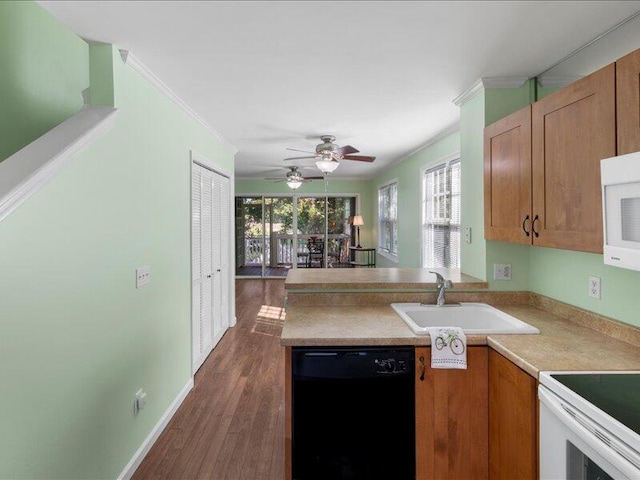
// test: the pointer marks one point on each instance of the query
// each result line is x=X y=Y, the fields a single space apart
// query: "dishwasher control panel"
x=390 y=366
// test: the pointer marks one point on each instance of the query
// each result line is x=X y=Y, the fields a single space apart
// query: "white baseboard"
x=137 y=458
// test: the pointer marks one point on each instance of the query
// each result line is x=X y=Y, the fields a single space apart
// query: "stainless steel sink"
x=473 y=318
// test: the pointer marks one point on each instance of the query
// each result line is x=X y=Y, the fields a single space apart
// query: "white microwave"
x=621 y=210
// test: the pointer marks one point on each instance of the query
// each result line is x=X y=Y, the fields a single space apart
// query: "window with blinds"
x=387 y=219
x=441 y=216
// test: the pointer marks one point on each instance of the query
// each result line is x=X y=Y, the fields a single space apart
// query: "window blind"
x=441 y=216
x=388 y=219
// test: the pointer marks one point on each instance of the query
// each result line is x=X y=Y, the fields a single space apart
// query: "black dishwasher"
x=353 y=413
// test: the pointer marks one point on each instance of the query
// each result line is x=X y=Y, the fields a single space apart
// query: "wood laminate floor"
x=231 y=425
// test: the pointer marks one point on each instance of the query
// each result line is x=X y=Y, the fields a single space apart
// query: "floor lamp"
x=357 y=221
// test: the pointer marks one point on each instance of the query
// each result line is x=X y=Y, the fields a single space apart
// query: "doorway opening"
x=277 y=233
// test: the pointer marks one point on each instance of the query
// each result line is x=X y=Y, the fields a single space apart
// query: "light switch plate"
x=502 y=271
x=467 y=234
x=143 y=276
x=140 y=401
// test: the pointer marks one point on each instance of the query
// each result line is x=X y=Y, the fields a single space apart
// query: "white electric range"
x=589 y=425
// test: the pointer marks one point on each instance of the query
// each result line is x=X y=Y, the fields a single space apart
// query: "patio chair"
x=316 y=252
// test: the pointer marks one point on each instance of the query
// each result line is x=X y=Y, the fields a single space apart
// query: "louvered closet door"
x=217 y=259
x=211 y=224
x=225 y=244
x=202 y=267
x=207 y=240
x=196 y=271
x=221 y=233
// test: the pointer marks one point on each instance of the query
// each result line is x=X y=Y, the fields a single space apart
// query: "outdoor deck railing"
x=282 y=246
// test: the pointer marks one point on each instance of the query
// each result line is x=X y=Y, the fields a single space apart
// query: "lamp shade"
x=294 y=183
x=327 y=166
x=357 y=220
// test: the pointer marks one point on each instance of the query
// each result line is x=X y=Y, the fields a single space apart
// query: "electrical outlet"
x=502 y=271
x=467 y=234
x=594 y=287
x=140 y=401
x=143 y=276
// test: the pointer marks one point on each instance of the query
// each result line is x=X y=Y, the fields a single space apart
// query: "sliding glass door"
x=278 y=236
x=339 y=230
x=311 y=214
x=278 y=233
x=249 y=236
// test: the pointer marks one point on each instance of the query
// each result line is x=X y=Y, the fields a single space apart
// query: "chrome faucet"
x=442 y=285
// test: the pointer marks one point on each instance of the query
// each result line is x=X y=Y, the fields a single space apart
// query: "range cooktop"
x=617 y=394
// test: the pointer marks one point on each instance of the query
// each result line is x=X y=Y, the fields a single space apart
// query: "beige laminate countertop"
x=375 y=278
x=561 y=345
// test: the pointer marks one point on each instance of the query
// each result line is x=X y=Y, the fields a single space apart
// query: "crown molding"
x=448 y=130
x=129 y=59
x=488 y=82
x=558 y=81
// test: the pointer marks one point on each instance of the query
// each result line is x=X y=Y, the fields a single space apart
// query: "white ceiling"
x=380 y=76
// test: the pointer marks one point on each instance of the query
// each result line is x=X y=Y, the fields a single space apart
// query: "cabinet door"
x=628 y=102
x=507 y=178
x=452 y=418
x=572 y=130
x=513 y=421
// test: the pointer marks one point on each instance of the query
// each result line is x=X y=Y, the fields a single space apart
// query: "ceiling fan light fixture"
x=327 y=166
x=293 y=183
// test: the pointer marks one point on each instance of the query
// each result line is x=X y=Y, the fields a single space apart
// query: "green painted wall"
x=500 y=102
x=407 y=174
x=44 y=71
x=348 y=187
x=471 y=141
x=78 y=340
x=563 y=275
x=101 y=74
x=544 y=91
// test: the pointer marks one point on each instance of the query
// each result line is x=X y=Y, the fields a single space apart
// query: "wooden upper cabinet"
x=572 y=130
x=452 y=418
x=628 y=102
x=513 y=421
x=507 y=178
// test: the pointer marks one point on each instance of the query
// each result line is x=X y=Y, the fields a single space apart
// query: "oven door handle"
x=613 y=451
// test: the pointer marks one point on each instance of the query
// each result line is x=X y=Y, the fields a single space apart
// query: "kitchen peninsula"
x=463 y=416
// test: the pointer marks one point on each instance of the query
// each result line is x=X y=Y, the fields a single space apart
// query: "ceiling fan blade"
x=299 y=158
x=314 y=178
x=359 y=158
x=297 y=150
x=346 y=150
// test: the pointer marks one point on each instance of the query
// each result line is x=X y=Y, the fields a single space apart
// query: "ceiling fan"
x=294 y=178
x=328 y=154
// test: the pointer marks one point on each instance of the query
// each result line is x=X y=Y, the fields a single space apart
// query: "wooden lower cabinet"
x=513 y=421
x=452 y=418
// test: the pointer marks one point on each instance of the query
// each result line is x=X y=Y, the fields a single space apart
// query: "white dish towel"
x=448 y=347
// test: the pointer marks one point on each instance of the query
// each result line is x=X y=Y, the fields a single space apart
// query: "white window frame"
x=447 y=160
x=382 y=250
